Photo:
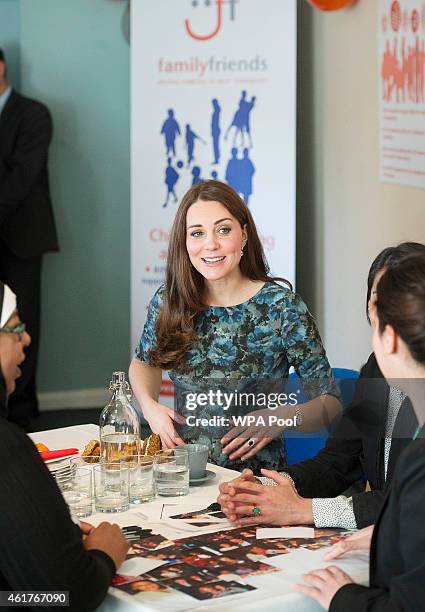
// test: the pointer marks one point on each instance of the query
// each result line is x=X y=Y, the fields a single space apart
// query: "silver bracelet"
x=299 y=417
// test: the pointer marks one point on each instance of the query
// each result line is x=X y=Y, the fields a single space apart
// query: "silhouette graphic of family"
x=239 y=170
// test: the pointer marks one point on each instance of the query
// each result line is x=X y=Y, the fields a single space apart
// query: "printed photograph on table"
x=180 y=570
x=187 y=581
x=141 y=584
x=120 y=579
x=221 y=544
x=261 y=549
x=168 y=554
x=202 y=518
x=209 y=590
x=152 y=542
x=240 y=566
x=200 y=557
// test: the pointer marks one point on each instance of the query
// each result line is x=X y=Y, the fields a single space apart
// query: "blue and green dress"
x=244 y=348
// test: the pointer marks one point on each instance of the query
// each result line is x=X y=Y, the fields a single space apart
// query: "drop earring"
x=241 y=252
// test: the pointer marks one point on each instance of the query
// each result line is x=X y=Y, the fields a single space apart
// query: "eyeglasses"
x=17 y=329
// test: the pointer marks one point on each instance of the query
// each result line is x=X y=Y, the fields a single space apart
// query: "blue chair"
x=300 y=446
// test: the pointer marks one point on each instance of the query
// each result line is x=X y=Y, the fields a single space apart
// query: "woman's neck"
x=231 y=291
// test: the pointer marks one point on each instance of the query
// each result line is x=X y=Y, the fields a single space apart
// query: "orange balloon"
x=330 y=5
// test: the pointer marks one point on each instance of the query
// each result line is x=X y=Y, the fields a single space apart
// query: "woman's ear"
x=244 y=235
x=391 y=340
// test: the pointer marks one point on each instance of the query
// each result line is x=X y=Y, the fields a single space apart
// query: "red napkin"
x=57 y=454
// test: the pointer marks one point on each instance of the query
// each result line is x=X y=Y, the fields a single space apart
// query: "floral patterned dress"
x=248 y=347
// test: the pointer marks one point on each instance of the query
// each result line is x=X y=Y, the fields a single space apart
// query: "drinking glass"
x=198 y=457
x=171 y=470
x=77 y=491
x=141 y=478
x=111 y=487
x=86 y=461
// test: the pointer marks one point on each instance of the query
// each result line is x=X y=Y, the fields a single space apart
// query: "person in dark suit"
x=27 y=226
x=366 y=445
x=397 y=543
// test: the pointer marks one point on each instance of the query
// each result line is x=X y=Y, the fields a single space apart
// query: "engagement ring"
x=251 y=442
x=256 y=510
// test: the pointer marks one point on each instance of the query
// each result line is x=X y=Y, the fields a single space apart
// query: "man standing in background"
x=27 y=226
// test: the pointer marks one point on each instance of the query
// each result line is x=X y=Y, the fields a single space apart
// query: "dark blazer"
x=355 y=450
x=27 y=225
x=397 y=555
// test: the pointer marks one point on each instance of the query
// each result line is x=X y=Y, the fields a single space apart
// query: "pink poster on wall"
x=402 y=91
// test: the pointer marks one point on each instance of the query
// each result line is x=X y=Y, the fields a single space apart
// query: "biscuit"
x=150 y=445
x=91 y=452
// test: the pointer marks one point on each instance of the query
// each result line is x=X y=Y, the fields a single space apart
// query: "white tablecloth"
x=274 y=591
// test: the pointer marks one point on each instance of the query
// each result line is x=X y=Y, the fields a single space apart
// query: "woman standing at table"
x=397 y=543
x=41 y=549
x=220 y=321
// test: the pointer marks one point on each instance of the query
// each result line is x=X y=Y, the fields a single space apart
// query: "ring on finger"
x=256 y=510
x=251 y=442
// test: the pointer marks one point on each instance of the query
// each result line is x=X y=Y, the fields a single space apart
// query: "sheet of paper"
x=132 y=517
x=139 y=565
x=285 y=532
x=302 y=561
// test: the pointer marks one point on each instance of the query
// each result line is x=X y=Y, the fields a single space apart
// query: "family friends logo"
x=216 y=17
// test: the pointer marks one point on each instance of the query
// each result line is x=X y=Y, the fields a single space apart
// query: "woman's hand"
x=161 y=420
x=358 y=541
x=86 y=529
x=279 y=505
x=322 y=584
x=146 y=383
x=228 y=489
x=110 y=539
x=243 y=441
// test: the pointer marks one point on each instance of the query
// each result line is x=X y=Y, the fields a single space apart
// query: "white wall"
x=352 y=214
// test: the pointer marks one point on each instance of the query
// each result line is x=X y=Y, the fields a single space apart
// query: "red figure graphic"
x=395 y=15
x=386 y=71
x=403 y=70
x=415 y=21
x=217 y=27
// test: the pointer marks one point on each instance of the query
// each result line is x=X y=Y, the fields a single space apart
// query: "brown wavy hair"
x=185 y=286
x=401 y=303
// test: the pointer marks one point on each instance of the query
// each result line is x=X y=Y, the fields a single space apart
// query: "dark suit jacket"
x=27 y=225
x=397 y=556
x=355 y=450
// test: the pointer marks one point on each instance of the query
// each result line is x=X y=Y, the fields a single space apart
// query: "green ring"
x=256 y=510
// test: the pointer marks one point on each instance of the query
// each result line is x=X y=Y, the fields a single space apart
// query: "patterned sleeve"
x=334 y=512
x=148 y=337
x=304 y=349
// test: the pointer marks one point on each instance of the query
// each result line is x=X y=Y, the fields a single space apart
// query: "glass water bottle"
x=119 y=423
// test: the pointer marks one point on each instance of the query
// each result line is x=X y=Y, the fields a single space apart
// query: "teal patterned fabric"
x=256 y=341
